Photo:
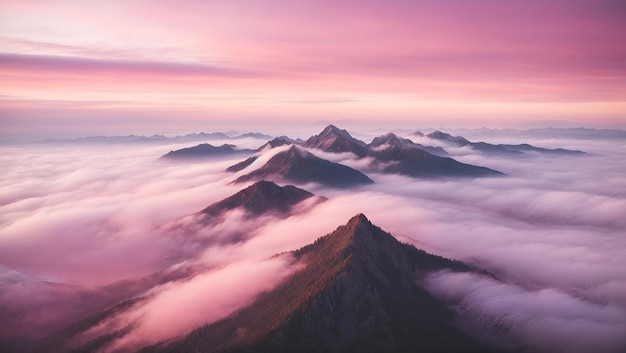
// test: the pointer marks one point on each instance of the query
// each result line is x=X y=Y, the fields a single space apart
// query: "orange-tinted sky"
x=116 y=66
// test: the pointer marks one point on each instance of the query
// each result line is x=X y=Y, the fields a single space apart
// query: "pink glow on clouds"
x=254 y=58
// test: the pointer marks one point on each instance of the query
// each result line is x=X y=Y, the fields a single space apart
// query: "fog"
x=83 y=217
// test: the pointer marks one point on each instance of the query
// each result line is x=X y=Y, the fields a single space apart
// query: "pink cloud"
x=450 y=51
x=177 y=308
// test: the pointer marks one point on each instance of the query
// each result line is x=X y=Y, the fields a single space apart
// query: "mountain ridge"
x=356 y=293
x=499 y=149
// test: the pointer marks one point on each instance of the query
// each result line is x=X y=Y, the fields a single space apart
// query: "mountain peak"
x=276 y=142
x=332 y=129
x=439 y=135
x=260 y=197
x=203 y=150
x=360 y=219
x=333 y=139
x=390 y=139
x=298 y=165
x=356 y=292
x=360 y=226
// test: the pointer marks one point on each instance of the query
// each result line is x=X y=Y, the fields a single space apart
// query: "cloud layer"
x=551 y=232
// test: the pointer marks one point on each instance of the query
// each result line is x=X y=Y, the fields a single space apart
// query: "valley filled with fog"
x=86 y=225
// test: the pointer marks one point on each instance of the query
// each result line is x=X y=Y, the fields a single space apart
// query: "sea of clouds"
x=82 y=224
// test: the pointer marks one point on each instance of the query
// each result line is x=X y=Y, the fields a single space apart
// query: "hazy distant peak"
x=203 y=150
x=439 y=135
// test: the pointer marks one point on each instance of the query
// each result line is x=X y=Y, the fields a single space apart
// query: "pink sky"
x=116 y=66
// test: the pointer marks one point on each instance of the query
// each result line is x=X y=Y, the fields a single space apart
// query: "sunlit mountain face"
x=339 y=240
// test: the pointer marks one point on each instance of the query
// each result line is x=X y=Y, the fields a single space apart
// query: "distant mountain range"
x=550 y=133
x=202 y=136
x=205 y=150
x=388 y=154
x=560 y=133
x=358 y=290
x=500 y=149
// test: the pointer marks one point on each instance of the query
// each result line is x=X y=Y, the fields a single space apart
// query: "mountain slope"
x=357 y=293
x=415 y=162
x=261 y=197
x=300 y=166
x=333 y=139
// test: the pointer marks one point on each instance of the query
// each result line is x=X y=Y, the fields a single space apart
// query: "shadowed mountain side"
x=333 y=139
x=392 y=140
x=418 y=163
x=300 y=166
x=357 y=293
x=204 y=150
x=261 y=197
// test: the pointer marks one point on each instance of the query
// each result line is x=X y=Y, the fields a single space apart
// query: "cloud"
x=545 y=320
x=175 y=309
x=551 y=232
x=71 y=65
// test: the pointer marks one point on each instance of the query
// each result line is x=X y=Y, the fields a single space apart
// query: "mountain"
x=242 y=165
x=416 y=162
x=456 y=140
x=524 y=147
x=300 y=166
x=277 y=142
x=500 y=149
x=203 y=150
x=358 y=291
x=256 y=135
x=201 y=136
x=333 y=139
x=393 y=140
x=261 y=197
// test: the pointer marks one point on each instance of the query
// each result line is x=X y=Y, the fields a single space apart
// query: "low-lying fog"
x=77 y=218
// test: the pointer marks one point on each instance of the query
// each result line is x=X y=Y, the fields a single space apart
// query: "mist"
x=552 y=233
